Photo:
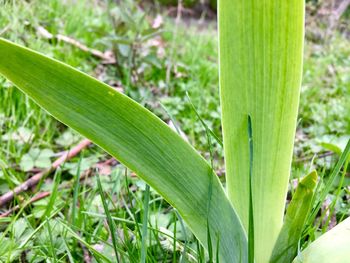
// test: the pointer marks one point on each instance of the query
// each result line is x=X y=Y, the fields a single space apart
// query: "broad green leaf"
x=43 y=159
x=332 y=147
x=293 y=226
x=27 y=163
x=136 y=137
x=36 y=158
x=261 y=46
x=332 y=246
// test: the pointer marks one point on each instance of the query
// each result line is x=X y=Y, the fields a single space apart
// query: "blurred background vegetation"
x=155 y=52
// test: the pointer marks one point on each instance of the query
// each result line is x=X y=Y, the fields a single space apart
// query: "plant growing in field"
x=261 y=45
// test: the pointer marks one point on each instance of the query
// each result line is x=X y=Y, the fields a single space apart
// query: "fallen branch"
x=82 y=177
x=333 y=11
x=343 y=6
x=107 y=57
x=34 y=180
x=309 y=158
x=37 y=197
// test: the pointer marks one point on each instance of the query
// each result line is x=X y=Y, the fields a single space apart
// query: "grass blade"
x=251 y=207
x=210 y=245
x=183 y=229
x=51 y=245
x=207 y=129
x=342 y=160
x=54 y=193
x=110 y=221
x=76 y=189
x=217 y=249
x=144 y=225
x=98 y=256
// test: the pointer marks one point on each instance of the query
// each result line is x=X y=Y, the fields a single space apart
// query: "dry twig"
x=107 y=57
x=34 y=180
x=34 y=199
x=103 y=171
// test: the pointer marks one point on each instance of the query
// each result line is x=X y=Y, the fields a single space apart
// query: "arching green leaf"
x=136 y=137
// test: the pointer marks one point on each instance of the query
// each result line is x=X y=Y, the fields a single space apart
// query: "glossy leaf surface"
x=136 y=137
x=261 y=47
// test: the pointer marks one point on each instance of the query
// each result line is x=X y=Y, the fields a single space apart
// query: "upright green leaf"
x=333 y=246
x=295 y=219
x=144 y=225
x=261 y=46
x=111 y=224
x=135 y=137
x=251 y=211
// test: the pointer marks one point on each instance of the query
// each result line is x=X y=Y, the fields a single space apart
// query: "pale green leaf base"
x=261 y=47
x=331 y=247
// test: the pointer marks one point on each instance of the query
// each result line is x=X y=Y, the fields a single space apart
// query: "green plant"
x=131 y=31
x=260 y=51
x=186 y=3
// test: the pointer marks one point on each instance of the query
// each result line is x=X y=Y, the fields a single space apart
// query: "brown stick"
x=107 y=57
x=309 y=158
x=34 y=180
x=37 y=197
x=42 y=195
x=341 y=9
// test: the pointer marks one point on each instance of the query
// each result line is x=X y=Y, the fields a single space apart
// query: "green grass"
x=78 y=217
